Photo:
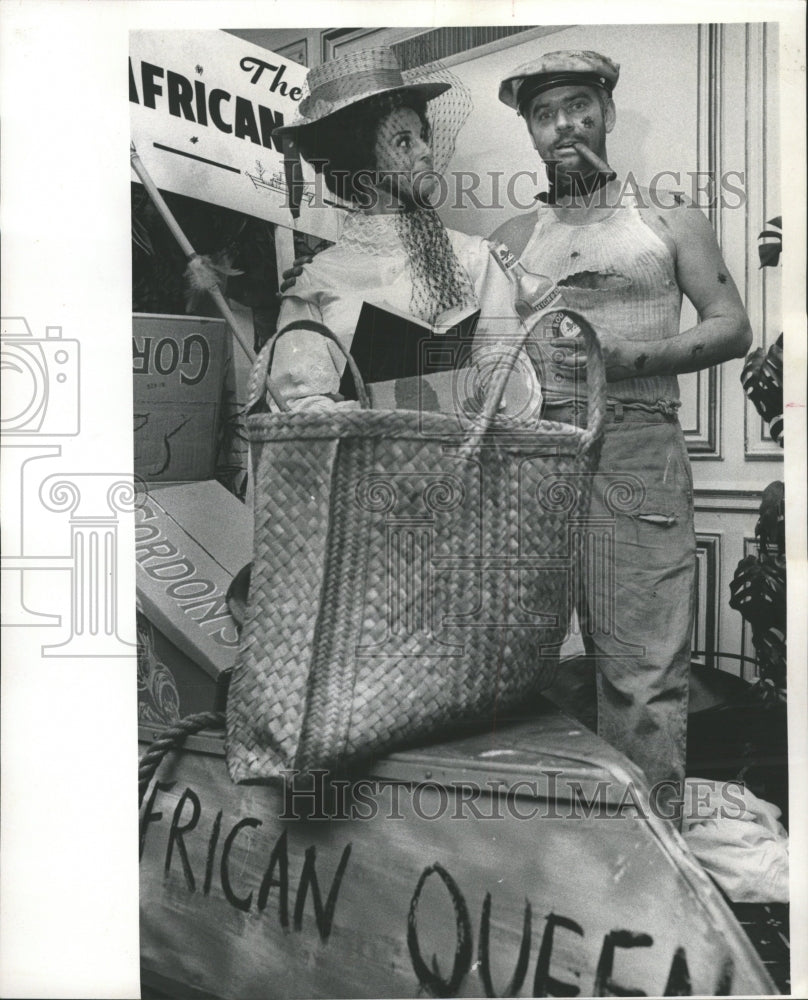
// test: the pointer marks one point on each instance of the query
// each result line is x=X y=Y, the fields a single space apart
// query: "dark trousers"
x=637 y=592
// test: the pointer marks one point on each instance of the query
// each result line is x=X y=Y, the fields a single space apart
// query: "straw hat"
x=351 y=78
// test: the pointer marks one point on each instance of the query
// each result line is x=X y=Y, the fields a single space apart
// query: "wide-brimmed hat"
x=354 y=77
x=558 y=69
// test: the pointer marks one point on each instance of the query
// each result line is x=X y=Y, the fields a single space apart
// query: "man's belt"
x=617 y=410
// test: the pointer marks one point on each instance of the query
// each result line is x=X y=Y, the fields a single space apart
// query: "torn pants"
x=637 y=592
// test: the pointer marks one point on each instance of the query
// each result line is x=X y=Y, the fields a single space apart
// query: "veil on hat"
x=449 y=100
x=446 y=113
x=439 y=281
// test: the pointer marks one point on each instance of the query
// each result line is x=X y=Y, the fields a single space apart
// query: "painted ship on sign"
x=275 y=182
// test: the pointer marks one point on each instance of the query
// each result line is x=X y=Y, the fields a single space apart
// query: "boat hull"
x=470 y=868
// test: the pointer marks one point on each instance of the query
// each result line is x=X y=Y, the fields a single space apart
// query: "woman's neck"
x=384 y=202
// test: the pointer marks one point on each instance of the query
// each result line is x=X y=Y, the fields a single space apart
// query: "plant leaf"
x=769 y=254
x=141 y=238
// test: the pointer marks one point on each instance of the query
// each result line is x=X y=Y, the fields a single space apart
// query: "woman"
x=367 y=132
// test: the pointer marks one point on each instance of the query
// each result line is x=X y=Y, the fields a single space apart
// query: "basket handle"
x=595 y=384
x=260 y=379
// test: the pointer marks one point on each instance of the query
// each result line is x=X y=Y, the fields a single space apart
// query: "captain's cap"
x=558 y=69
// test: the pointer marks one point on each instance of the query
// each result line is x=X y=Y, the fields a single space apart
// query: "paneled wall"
x=695 y=101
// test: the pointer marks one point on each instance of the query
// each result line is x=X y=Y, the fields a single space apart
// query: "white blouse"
x=369 y=264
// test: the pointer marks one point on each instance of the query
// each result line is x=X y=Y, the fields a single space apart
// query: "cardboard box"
x=169 y=684
x=190 y=541
x=179 y=370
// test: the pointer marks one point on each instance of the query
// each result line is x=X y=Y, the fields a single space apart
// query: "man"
x=623 y=263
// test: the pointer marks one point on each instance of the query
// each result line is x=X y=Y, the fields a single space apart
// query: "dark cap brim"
x=539 y=84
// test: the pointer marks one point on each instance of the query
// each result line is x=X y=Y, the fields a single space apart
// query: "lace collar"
x=376 y=235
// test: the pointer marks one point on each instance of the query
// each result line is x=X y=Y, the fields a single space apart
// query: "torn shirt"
x=619 y=275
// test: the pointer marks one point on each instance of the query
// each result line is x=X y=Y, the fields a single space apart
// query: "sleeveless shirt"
x=619 y=275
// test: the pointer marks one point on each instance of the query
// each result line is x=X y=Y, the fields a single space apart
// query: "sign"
x=169 y=684
x=410 y=884
x=203 y=105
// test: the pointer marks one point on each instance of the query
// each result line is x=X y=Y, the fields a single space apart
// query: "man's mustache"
x=568 y=142
x=584 y=151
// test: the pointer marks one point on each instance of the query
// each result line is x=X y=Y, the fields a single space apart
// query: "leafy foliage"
x=769 y=253
x=758 y=588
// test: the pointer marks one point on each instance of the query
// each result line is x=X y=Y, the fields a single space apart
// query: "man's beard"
x=572 y=182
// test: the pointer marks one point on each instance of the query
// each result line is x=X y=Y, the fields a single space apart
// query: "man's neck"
x=581 y=205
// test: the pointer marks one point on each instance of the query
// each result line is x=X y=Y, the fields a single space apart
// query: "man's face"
x=558 y=117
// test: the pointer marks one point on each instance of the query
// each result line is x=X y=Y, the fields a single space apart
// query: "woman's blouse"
x=369 y=264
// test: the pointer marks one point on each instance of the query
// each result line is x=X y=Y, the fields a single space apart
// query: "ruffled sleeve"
x=306 y=368
x=491 y=285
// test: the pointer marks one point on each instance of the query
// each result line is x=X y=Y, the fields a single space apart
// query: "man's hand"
x=305 y=255
x=621 y=358
x=569 y=351
x=291 y=274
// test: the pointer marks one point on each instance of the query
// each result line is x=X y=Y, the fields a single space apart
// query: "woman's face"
x=404 y=159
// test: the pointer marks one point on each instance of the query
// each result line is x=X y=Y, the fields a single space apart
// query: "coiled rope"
x=170 y=740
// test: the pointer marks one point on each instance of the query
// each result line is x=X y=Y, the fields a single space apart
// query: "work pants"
x=636 y=595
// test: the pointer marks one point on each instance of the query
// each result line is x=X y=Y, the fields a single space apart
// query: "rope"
x=170 y=740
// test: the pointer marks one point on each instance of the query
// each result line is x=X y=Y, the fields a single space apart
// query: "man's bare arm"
x=723 y=330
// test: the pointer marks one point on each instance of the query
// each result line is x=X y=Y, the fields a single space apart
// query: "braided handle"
x=170 y=740
x=259 y=376
x=595 y=383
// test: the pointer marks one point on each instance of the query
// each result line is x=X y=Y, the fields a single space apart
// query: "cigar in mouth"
x=600 y=165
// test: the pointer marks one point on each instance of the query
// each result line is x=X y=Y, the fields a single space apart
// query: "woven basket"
x=412 y=572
